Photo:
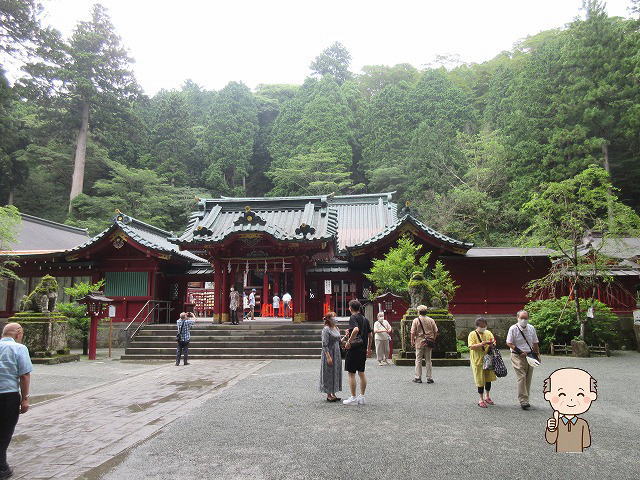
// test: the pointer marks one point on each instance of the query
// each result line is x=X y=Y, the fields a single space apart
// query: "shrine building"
x=316 y=248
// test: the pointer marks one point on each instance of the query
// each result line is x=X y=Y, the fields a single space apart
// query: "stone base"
x=300 y=317
x=436 y=362
x=70 y=357
x=43 y=332
x=579 y=348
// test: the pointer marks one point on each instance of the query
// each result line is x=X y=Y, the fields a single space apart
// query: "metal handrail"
x=137 y=315
x=158 y=306
x=143 y=321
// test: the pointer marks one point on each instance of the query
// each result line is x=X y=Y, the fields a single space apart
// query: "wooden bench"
x=561 y=348
x=600 y=350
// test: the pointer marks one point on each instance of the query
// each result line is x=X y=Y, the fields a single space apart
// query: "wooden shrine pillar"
x=299 y=293
x=225 y=296
x=264 y=298
x=217 y=290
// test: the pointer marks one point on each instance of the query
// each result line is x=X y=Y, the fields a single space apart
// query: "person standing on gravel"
x=358 y=346
x=424 y=332
x=382 y=331
x=331 y=366
x=15 y=377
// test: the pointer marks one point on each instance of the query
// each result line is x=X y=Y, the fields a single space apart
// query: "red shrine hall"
x=315 y=248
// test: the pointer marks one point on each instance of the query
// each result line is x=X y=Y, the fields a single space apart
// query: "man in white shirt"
x=286 y=299
x=523 y=341
x=276 y=305
x=252 y=303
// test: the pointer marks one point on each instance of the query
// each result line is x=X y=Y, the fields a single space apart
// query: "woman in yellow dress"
x=480 y=340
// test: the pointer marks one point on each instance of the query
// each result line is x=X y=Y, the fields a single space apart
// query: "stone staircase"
x=245 y=341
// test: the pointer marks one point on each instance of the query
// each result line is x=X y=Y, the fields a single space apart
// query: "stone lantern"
x=97 y=305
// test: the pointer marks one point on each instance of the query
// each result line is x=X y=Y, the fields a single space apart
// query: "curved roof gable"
x=146 y=235
x=457 y=246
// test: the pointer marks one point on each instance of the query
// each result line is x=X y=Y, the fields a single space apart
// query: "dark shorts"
x=355 y=360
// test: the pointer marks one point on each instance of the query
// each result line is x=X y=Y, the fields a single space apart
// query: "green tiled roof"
x=407 y=218
x=148 y=235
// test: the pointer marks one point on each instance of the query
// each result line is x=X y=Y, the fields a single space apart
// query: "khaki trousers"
x=382 y=350
x=524 y=373
x=423 y=352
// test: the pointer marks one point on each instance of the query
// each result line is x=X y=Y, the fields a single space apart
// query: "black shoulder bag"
x=531 y=354
x=429 y=343
x=179 y=335
x=358 y=341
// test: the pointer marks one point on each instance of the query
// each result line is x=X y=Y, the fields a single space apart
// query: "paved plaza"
x=65 y=436
x=269 y=422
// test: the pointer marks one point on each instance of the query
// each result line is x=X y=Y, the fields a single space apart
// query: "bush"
x=462 y=347
x=557 y=324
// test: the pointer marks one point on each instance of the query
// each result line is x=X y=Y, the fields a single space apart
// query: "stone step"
x=229 y=338
x=220 y=351
x=246 y=344
x=254 y=326
x=220 y=357
x=198 y=332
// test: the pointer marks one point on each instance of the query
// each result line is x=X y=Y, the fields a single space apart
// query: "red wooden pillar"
x=217 y=290
x=224 y=304
x=299 y=294
x=93 y=337
x=264 y=298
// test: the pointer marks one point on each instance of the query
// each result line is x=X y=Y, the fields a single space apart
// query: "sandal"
x=482 y=404
x=488 y=401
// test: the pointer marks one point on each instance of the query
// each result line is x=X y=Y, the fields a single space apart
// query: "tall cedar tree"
x=92 y=71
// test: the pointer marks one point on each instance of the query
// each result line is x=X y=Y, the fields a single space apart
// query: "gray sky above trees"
x=258 y=41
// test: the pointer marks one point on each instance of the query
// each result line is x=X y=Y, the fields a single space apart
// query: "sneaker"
x=417 y=380
x=429 y=380
x=350 y=401
x=380 y=364
x=387 y=362
x=525 y=406
x=361 y=400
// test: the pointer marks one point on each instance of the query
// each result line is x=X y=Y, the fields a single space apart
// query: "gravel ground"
x=52 y=381
x=275 y=425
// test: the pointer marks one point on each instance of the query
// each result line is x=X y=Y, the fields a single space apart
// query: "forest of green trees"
x=467 y=146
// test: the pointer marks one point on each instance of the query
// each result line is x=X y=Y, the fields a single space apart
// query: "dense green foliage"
x=393 y=272
x=78 y=318
x=468 y=146
x=9 y=223
x=555 y=322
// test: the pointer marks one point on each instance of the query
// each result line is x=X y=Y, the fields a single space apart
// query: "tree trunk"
x=607 y=167
x=85 y=345
x=576 y=290
x=81 y=153
x=11 y=195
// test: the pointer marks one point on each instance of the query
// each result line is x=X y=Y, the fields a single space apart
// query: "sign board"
x=327 y=287
x=112 y=311
x=636 y=316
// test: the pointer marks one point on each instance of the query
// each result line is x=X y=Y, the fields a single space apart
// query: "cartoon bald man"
x=570 y=391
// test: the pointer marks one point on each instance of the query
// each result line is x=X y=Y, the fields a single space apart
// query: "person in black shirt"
x=358 y=346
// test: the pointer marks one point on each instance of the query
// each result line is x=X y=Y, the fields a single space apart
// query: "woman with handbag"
x=481 y=341
x=331 y=366
x=382 y=331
